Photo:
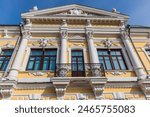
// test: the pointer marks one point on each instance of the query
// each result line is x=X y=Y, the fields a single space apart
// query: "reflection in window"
x=112 y=60
x=42 y=59
x=5 y=58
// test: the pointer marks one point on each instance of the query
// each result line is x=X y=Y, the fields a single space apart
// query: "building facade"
x=74 y=52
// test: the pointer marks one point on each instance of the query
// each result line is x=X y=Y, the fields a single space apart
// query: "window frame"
x=10 y=56
x=42 y=58
x=124 y=56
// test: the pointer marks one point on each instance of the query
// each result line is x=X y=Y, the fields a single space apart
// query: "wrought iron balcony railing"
x=79 y=70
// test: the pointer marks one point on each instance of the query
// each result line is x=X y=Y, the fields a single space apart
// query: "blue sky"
x=138 y=10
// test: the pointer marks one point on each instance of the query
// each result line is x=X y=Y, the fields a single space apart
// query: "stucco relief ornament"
x=108 y=43
x=90 y=34
x=43 y=42
x=63 y=33
x=26 y=34
x=64 y=23
x=88 y=23
x=77 y=12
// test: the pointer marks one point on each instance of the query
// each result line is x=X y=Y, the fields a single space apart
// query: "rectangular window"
x=148 y=52
x=5 y=58
x=77 y=63
x=111 y=60
x=42 y=59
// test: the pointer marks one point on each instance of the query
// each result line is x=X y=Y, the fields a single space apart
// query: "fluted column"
x=19 y=56
x=134 y=59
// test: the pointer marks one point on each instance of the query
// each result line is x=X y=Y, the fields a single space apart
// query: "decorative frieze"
x=43 y=42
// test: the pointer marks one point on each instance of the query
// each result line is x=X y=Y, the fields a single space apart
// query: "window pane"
x=7 y=52
x=37 y=65
x=105 y=52
x=108 y=64
x=5 y=65
x=45 y=65
x=102 y=62
x=121 y=62
x=116 y=65
x=76 y=53
x=30 y=65
x=52 y=65
x=50 y=52
x=5 y=58
x=36 y=52
x=80 y=67
x=118 y=53
x=113 y=53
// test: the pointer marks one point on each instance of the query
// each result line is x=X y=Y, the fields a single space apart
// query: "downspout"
x=128 y=29
x=14 y=52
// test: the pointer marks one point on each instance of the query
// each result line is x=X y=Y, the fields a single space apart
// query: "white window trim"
x=127 y=61
x=144 y=50
x=78 y=48
x=26 y=59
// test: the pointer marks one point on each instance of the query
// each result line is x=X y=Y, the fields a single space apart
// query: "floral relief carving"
x=38 y=73
x=116 y=73
x=43 y=42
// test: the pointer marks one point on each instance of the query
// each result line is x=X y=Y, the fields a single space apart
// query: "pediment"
x=73 y=11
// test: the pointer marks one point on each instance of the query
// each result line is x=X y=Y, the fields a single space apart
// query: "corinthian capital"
x=63 y=33
x=26 y=34
x=89 y=34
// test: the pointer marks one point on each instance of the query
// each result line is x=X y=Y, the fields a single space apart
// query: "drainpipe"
x=14 y=52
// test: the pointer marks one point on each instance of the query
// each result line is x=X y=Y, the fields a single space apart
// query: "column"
x=134 y=59
x=63 y=54
x=62 y=68
x=19 y=56
x=92 y=51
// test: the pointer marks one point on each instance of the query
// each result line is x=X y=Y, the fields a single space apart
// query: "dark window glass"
x=77 y=63
x=42 y=59
x=5 y=58
x=112 y=60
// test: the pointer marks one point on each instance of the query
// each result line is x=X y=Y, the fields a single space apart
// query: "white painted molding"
x=34 y=80
x=121 y=79
x=78 y=48
x=23 y=67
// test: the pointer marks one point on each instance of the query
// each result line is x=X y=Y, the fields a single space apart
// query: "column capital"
x=26 y=34
x=64 y=23
x=88 y=23
x=64 y=33
x=89 y=34
x=124 y=34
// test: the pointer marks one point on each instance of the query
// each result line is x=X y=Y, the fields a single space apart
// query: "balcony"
x=79 y=70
